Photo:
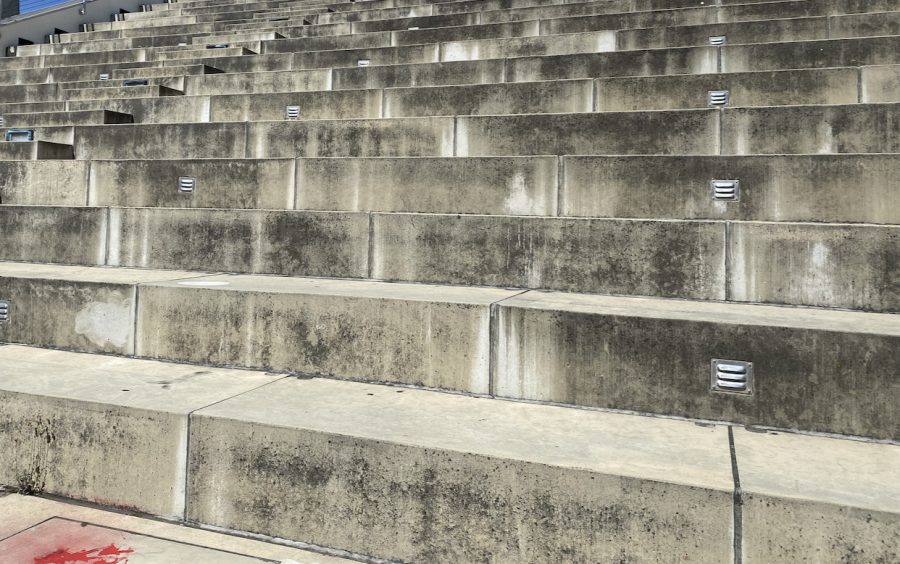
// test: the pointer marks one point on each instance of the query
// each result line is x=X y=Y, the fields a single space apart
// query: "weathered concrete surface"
x=593 y=42
x=342 y=104
x=684 y=132
x=433 y=74
x=161 y=141
x=831 y=265
x=657 y=258
x=60 y=183
x=880 y=84
x=463 y=479
x=242 y=184
x=490 y=185
x=73 y=307
x=255 y=80
x=488 y=99
x=812 y=499
x=18 y=513
x=422 y=335
x=795 y=87
x=813 y=188
x=399 y=137
x=69 y=235
x=86 y=117
x=859 y=128
x=819 y=370
x=810 y=54
x=35 y=150
x=626 y=63
x=79 y=425
x=167 y=109
x=292 y=243
x=763 y=31
x=408 y=54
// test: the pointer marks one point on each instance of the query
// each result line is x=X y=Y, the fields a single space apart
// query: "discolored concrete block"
x=256 y=81
x=858 y=128
x=462 y=478
x=432 y=74
x=658 y=258
x=795 y=87
x=814 y=188
x=544 y=45
x=763 y=31
x=161 y=141
x=79 y=425
x=72 y=307
x=491 y=185
x=685 y=132
x=814 y=499
x=241 y=184
x=399 y=137
x=345 y=104
x=420 y=335
x=276 y=242
x=69 y=235
x=829 y=265
x=880 y=84
x=818 y=370
x=59 y=183
x=810 y=54
x=490 y=99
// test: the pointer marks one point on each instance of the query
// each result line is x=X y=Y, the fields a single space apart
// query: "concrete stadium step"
x=34 y=150
x=829 y=265
x=800 y=188
x=86 y=117
x=529 y=469
x=34 y=529
x=117 y=92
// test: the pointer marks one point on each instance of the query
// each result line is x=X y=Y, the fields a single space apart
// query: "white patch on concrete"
x=606 y=42
x=105 y=323
x=518 y=201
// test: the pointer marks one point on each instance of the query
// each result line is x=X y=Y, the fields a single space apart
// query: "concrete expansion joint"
x=737 y=518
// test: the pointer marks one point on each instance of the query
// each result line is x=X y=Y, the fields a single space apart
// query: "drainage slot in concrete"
x=718 y=97
x=292 y=112
x=725 y=190
x=717 y=40
x=217 y=46
x=4 y=311
x=19 y=135
x=732 y=376
x=135 y=82
x=186 y=184
x=362 y=62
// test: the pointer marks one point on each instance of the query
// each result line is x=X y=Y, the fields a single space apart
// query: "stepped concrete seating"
x=460 y=281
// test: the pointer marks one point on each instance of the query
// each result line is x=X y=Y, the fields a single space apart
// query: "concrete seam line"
x=370 y=251
x=134 y=315
x=728 y=260
x=560 y=184
x=738 y=500
x=859 y=84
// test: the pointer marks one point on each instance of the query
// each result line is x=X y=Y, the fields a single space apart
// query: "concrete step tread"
x=34 y=528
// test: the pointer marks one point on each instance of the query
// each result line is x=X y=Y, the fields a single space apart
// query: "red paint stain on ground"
x=110 y=554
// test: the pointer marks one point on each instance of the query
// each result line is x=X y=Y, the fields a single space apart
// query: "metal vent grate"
x=19 y=135
x=718 y=97
x=363 y=62
x=292 y=112
x=104 y=76
x=725 y=190
x=732 y=376
x=135 y=82
x=2 y=121
x=717 y=40
x=186 y=184
x=4 y=311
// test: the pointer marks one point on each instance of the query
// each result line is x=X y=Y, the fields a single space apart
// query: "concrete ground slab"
x=80 y=425
x=20 y=517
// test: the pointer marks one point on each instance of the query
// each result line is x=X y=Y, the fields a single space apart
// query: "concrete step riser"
x=830 y=265
x=821 y=188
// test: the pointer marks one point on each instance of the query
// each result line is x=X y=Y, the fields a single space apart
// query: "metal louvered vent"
x=718 y=97
x=292 y=112
x=186 y=184
x=19 y=135
x=725 y=190
x=717 y=40
x=104 y=76
x=4 y=311
x=2 y=121
x=362 y=62
x=732 y=376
